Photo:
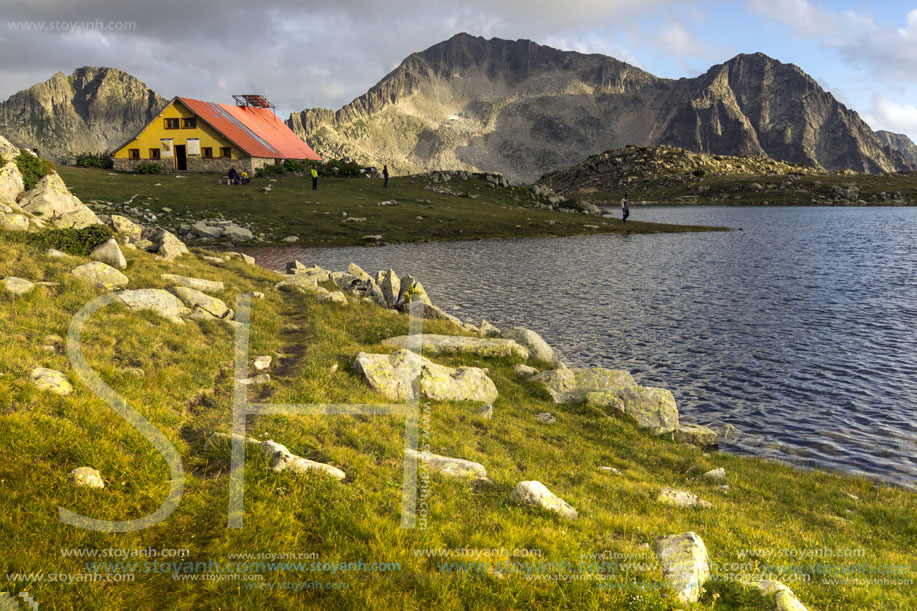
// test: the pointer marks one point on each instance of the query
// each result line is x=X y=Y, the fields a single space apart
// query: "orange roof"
x=257 y=131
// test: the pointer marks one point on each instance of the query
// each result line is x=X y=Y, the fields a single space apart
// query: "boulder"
x=51 y=201
x=488 y=330
x=101 y=275
x=391 y=287
x=124 y=225
x=14 y=222
x=207 y=286
x=17 y=286
x=165 y=244
x=524 y=371
x=235 y=233
x=573 y=385
x=203 y=229
x=450 y=467
x=783 y=595
x=159 y=301
x=108 y=252
x=536 y=493
x=715 y=474
x=681 y=498
x=11 y=183
x=685 y=564
x=697 y=435
x=262 y=362
x=86 y=477
x=411 y=290
x=393 y=375
x=200 y=302
x=238 y=255
x=538 y=348
x=457 y=344
x=50 y=380
x=333 y=297
x=652 y=408
x=281 y=458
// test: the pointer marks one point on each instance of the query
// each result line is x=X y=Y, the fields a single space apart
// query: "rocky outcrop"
x=523 y=109
x=900 y=143
x=51 y=201
x=393 y=376
x=92 y=110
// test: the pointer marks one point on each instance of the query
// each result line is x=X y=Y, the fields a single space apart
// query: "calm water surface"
x=800 y=330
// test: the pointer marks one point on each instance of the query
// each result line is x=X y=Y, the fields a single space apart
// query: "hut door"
x=181 y=160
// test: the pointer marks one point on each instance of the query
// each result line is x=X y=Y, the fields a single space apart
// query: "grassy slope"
x=185 y=391
x=292 y=208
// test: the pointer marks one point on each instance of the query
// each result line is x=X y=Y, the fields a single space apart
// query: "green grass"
x=180 y=379
x=315 y=217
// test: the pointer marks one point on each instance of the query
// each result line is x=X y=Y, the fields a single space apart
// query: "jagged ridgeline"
x=91 y=111
x=524 y=109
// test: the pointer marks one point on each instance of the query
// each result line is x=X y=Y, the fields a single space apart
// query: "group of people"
x=238 y=178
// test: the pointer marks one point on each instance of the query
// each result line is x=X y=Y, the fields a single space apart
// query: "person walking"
x=625 y=208
x=385 y=176
x=314 y=179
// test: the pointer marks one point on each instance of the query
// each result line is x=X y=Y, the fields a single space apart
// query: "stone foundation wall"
x=218 y=165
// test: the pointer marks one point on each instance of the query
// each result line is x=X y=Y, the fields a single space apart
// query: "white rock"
x=201 y=302
x=52 y=201
x=681 y=498
x=207 y=286
x=282 y=461
x=17 y=286
x=86 y=477
x=159 y=301
x=685 y=564
x=538 y=348
x=50 y=380
x=783 y=595
x=536 y=493
x=715 y=474
x=262 y=362
x=108 y=252
x=101 y=275
x=450 y=467
x=259 y=379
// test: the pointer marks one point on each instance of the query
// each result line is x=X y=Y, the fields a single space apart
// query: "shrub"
x=148 y=167
x=78 y=242
x=699 y=172
x=95 y=160
x=32 y=168
x=268 y=171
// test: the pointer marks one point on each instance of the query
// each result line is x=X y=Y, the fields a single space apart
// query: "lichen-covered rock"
x=207 y=286
x=536 y=493
x=573 y=385
x=14 y=222
x=198 y=301
x=524 y=371
x=126 y=226
x=101 y=275
x=681 y=498
x=333 y=297
x=411 y=290
x=783 y=595
x=450 y=467
x=652 y=408
x=457 y=344
x=159 y=301
x=11 y=183
x=165 y=244
x=108 y=252
x=393 y=375
x=538 y=348
x=697 y=435
x=715 y=474
x=86 y=477
x=488 y=330
x=17 y=286
x=685 y=564
x=51 y=201
x=390 y=284
x=50 y=380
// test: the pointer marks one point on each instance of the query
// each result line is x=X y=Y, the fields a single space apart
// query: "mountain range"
x=524 y=109
x=514 y=107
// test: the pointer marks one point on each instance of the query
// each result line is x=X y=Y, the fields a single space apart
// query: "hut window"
x=154 y=153
x=133 y=153
x=171 y=123
x=189 y=123
x=207 y=152
x=225 y=151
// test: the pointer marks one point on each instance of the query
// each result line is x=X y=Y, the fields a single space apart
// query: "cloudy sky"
x=304 y=53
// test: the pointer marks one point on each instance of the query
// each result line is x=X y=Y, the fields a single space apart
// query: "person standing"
x=385 y=176
x=314 y=179
x=625 y=208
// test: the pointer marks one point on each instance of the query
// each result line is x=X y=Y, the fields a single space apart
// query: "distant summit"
x=92 y=110
x=524 y=109
x=900 y=143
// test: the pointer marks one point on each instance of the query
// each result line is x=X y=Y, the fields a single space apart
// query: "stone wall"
x=219 y=165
